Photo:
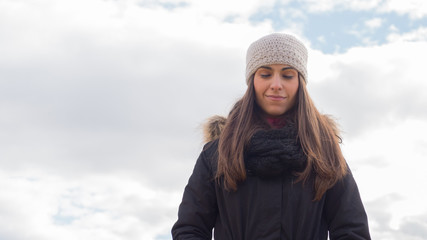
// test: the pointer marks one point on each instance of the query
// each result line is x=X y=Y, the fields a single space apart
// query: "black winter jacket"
x=266 y=208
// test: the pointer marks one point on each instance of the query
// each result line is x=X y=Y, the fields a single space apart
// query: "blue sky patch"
x=337 y=31
x=59 y=219
x=163 y=237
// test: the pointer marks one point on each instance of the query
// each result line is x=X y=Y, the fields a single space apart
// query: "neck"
x=276 y=122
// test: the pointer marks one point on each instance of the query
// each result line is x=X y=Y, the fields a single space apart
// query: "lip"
x=275 y=97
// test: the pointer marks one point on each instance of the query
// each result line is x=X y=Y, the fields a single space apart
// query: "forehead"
x=277 y=67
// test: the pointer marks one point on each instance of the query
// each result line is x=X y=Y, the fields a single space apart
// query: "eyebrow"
x=283 y=69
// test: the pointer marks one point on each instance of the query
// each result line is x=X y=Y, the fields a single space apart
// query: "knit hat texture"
x=276 y=48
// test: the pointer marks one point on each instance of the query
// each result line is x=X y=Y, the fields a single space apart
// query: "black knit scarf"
x=274 y=152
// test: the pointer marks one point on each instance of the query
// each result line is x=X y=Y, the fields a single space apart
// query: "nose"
x=276 y=83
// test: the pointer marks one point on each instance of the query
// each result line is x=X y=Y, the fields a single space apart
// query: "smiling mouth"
x=275 y=97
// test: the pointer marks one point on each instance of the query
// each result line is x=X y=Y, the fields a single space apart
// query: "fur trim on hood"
x=213 y=128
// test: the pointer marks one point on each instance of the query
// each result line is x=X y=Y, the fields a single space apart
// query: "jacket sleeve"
x=344 y=211
x=198 y=209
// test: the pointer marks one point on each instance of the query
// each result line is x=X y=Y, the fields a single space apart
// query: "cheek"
x=258 y=88
x=294 y=89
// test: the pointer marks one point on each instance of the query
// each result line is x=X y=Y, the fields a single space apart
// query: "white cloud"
x=331 y=5
x=377 y=95
x=418 y=35
x=381 y=84
x=416 y=9
x=393 y=28
x=101 y=111
x=92 y=207
x=321 y=39
x=374 y=23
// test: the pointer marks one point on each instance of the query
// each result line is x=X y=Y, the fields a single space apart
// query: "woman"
x=274 y=168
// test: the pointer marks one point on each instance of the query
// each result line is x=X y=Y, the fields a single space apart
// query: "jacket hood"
x=213 y=127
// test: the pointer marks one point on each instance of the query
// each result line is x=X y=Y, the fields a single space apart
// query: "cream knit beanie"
x=276 y=48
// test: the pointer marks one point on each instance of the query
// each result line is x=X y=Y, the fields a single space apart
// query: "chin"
x=276 y=113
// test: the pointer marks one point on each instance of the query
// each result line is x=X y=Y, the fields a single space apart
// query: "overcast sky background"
x=102 y=103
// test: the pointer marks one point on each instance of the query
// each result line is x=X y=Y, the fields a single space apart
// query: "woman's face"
x=276 y=87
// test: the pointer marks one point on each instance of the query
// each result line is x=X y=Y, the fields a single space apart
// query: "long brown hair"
x=317 y=133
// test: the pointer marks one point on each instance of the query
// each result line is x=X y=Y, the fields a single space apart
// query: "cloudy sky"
x=102 y=103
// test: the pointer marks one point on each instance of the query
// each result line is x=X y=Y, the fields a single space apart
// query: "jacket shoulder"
x=344 y=211
x=213 y=127
x=210 y=154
